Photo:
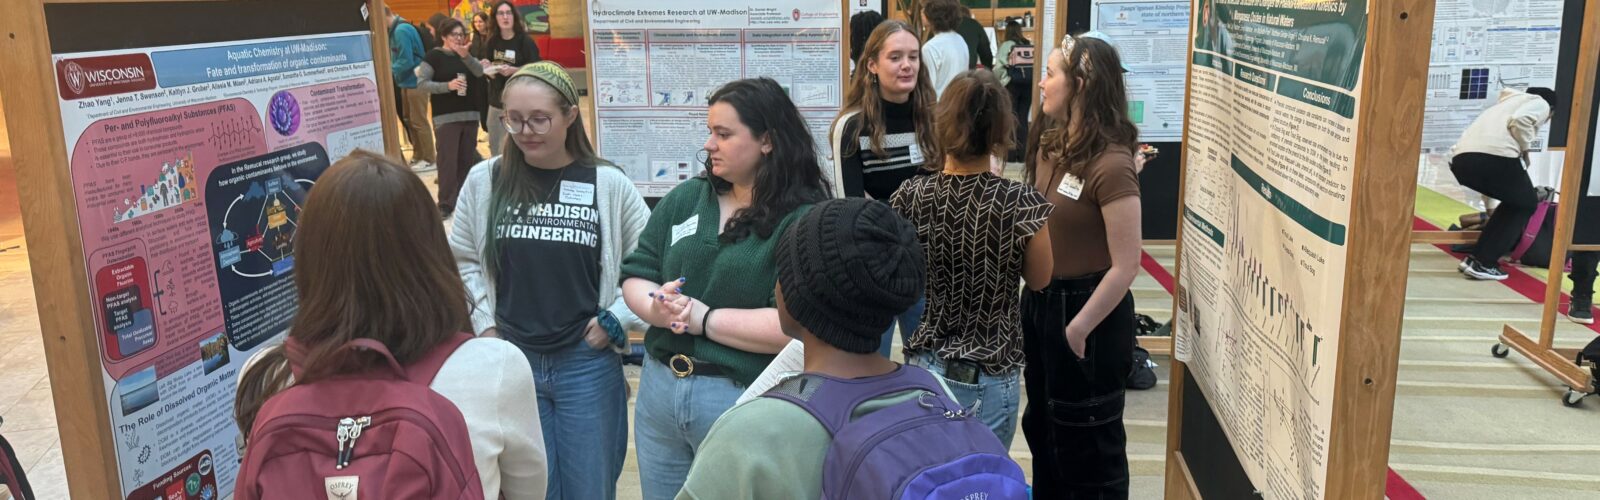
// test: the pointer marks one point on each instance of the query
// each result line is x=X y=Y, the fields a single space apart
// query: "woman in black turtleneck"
x=884 y=133
x=885 y=128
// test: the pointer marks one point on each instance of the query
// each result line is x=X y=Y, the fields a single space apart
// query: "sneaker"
x=1581 y=311
x=421 y=166
x=1477 y=271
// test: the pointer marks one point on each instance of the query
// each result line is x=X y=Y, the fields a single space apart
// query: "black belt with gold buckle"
x=683 y=366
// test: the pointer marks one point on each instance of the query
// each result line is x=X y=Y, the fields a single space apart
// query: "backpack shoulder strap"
x=833 y=400
x=1531 y=231
x=425 y=368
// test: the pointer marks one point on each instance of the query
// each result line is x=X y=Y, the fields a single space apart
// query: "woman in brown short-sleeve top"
x=1078 y=331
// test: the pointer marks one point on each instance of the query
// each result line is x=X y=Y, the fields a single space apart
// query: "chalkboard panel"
x=84 y=27
x=1216 y=471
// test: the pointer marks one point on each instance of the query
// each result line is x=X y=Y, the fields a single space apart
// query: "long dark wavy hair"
x=1096 y=111
x=787 y=178
x=864 y=98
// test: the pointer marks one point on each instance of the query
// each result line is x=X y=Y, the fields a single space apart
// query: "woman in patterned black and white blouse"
x=979 y=233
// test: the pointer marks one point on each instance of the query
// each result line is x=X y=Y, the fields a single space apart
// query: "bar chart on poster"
x=1270 y=158
x=654 y=65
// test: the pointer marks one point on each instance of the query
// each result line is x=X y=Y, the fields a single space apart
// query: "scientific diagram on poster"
x=656 y=65
x=190 y=165
x=1270 y=162
x=1480 y=47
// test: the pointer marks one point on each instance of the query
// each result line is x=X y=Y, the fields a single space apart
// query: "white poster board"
x=1269 y=167
x=1479 y=47
x=189 y=166
x=1151 y=36
x=655 y=63
x=1048 y=38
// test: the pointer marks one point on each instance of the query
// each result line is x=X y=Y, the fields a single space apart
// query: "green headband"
x=554 y=75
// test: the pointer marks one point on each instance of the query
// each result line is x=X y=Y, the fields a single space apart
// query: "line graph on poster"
x=1267 y=300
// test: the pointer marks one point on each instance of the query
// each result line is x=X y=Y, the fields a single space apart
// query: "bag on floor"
x=1590 y=356
x=1143 y=375
x=379 y=434
x=924 y=448
x=11 y=474
x=1533 y=248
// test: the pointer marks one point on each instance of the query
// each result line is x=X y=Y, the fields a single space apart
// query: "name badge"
x=1071 y=186
x=916 y=154
x=577 y=193
x=685 y=229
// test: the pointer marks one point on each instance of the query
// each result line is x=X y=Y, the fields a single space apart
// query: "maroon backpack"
x=375 y=435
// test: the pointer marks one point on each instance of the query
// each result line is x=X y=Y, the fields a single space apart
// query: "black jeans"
x=1503 y=179
x=1583 y=274
x=1073 y=422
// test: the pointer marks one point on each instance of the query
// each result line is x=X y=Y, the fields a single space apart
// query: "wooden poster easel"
x=1382 y=198
x=50 y=215
x=1559 y=362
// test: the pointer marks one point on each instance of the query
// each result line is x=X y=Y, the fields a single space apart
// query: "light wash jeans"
x=909 y=321
x=671 y=418
x=583 y=410
x=995 y=395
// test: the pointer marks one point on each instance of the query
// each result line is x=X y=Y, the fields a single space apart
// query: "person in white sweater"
x=539 y=237
x=1491 y=158
x=410 y=300
x=946 y=53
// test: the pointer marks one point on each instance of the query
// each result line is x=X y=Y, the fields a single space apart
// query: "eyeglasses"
x=538 y=125
x=456 y=34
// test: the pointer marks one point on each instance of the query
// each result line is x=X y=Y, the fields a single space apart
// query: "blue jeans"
x=583 y=411
x=996 y=395
x=671 y=418
x=909 y=321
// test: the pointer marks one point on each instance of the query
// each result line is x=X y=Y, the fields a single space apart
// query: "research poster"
x=1271 y=148
x=1048 y=39
x=1480 y=47
x=656 y=63
x=1152 y=38
x=190 y=165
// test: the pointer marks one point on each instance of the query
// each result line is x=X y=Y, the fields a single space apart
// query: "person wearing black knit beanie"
x=849 y=267
x=845 y=269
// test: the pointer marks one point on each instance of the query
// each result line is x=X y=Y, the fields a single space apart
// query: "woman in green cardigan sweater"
x=703 y=275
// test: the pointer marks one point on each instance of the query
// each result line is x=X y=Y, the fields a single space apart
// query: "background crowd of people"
x=763 y=268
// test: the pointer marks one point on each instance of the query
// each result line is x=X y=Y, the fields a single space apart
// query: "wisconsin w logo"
x=75 y=77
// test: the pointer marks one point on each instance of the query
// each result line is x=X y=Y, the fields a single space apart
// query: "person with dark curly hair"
x=946 y=53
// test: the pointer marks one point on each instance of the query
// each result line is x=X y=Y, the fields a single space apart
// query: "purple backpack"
x=924 y=448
